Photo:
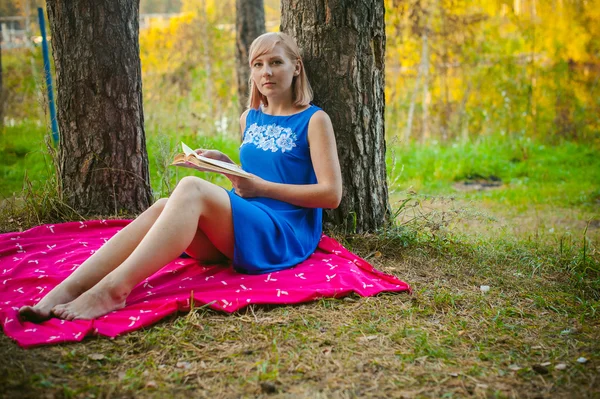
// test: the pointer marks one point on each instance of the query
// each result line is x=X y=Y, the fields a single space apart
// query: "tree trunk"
x=420 y=72
x=103 y=159
x=426 y=94
x=206 y=58
x=343 y=45
x=249 y=24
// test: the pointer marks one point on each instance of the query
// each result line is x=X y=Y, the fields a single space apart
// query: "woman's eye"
x=257 y=65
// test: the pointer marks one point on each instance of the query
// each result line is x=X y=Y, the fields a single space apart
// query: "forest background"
x=505 y=71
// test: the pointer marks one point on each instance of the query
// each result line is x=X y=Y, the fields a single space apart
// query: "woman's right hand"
x=214 y=154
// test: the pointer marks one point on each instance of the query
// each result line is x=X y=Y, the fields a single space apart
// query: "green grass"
x=163 y=145
x=532 y=173
x=23 y=152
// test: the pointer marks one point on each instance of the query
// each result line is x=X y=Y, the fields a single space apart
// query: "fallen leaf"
x=482 y=386
x=560 y=366
x=367 y=338
x=327 y=351
x=484 y=288
x=514 y=367
x=184 y=365
x=582 y=360
x=151 y=384
x=453 y=374
x=378 y=254
x=546 y=364
x=421 y=359
x=96 y=356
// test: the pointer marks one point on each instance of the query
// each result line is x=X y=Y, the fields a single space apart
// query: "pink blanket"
x=35 y=261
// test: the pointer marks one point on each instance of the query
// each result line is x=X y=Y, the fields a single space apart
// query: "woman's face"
x=273 y=72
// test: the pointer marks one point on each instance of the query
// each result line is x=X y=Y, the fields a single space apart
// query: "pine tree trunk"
x=103 y=158
x=249 y=24
x=343 y=45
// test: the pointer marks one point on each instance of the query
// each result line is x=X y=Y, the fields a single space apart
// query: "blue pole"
x=48 y=76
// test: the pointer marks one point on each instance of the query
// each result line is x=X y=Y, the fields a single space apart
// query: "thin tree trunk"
x=103 y=159
x=426 y=95
x=249 y=24
x=206 y=42
x=413 y=97
x=344 y=52
x=462 y=111
x=532 y=99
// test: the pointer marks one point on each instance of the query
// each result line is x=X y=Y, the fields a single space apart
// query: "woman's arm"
x=326 y=193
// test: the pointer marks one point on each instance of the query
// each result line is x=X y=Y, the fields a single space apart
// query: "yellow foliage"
x=508 y=66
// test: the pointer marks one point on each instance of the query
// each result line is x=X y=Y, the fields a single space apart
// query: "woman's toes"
x=58 y=311
x=33 y=314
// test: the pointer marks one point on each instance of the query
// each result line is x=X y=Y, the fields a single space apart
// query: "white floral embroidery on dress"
x=270 y=138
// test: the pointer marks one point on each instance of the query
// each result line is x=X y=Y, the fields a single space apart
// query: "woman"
x=264 y=224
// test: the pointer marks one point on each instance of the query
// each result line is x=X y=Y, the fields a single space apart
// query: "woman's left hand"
x=248 y=188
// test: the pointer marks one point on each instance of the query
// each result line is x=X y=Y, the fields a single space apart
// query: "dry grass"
x=446 y=340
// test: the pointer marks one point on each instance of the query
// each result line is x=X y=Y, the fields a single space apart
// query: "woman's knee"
x=158 y=206
x=190 y=186
x=160 y=203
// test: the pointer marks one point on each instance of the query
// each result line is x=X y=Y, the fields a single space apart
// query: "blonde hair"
x=302 y=93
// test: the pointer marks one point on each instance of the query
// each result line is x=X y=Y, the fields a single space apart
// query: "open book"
x=190 y=159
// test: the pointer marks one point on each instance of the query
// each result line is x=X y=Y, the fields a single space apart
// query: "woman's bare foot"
x=96 y=302
x=42 y=310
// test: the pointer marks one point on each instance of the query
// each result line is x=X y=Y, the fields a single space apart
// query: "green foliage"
x=23 y=152
x=163 y=145
x=22 y=74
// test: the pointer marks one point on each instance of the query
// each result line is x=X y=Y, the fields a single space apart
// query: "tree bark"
x=343 y=46
x=103 y=161
x=249 y=24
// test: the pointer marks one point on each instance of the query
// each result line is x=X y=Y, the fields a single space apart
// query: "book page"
x=215 y=162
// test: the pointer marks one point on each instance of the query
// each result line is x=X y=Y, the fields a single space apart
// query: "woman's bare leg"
x=203 y=250
x=195 y=204
x=97 y=266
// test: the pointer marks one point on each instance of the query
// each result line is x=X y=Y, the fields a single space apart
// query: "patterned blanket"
x=35 y=261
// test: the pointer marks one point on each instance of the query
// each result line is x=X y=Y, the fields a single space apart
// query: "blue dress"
x=272 y=235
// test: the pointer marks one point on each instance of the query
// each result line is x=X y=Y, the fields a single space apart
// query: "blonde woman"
x=264 y=224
